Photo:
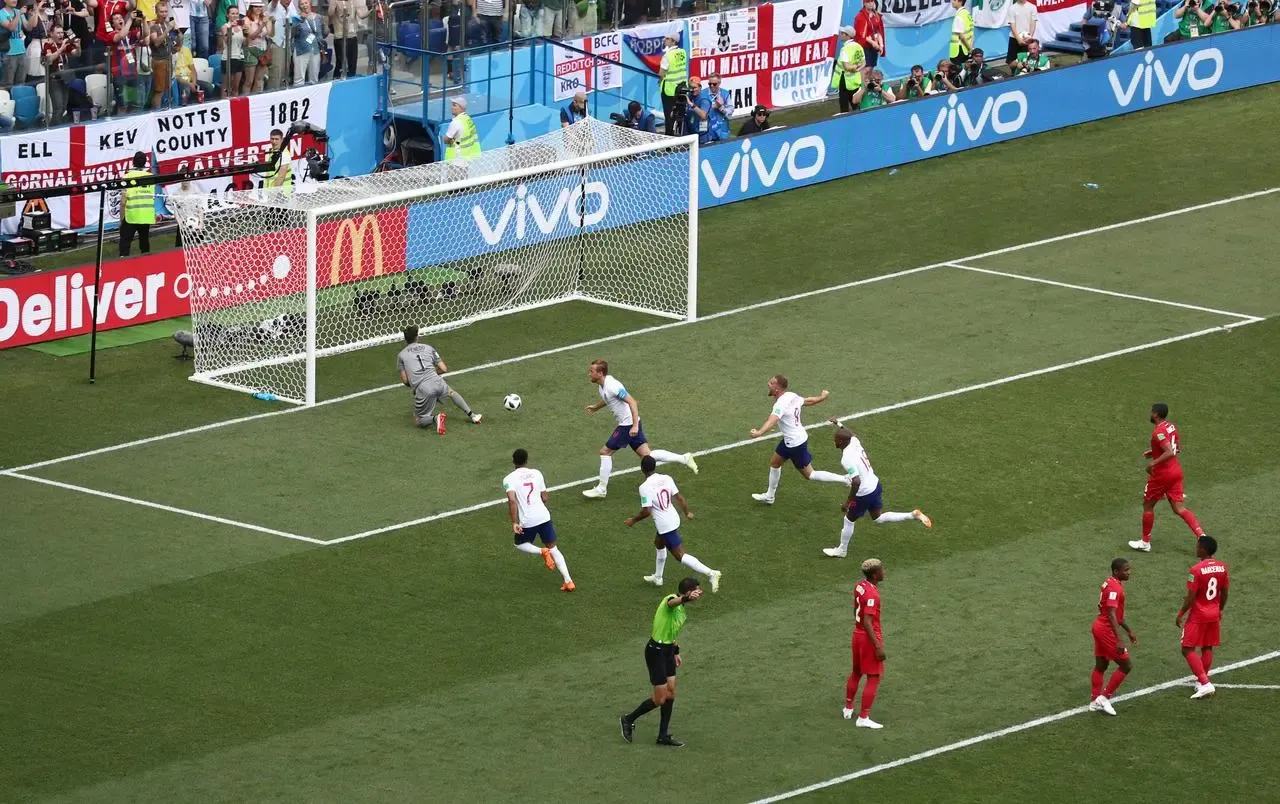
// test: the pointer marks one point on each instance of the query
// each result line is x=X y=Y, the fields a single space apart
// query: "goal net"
x=592 y=212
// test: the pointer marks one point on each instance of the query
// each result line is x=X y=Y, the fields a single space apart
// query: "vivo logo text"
x=525 y=207
x=1201 y=70
x=1004 y=114
x=801 y=159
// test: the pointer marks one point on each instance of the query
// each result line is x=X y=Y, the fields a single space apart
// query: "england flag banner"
x=778 y=54
x=574 y=71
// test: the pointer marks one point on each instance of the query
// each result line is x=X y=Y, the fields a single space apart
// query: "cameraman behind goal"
x=420 y=369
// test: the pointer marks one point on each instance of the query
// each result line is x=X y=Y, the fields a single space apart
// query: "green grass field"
x=323 y=604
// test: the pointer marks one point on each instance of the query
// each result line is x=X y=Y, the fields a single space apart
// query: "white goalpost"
x=590 y=213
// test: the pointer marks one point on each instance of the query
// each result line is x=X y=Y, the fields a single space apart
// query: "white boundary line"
x=1005 y=732
x=858 y=415
x=1247 y=686
x=1088 y=289
x=646 y=330
x=168 y=508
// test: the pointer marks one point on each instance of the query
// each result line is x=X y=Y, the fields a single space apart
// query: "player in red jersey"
x=1164 y=479
x=868 y=644
x=1206 y=600
x=1108 y=643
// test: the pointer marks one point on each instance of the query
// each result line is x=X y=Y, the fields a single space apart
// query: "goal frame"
x=311 y=353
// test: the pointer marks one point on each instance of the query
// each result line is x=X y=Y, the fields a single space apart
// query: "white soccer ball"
x=512 y=402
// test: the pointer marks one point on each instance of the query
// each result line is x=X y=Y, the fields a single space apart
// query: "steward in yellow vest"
x=139 y=211
x=461 y=140
x=847 y=75
x=961 y=34
x=672 y=72
x=282 y=176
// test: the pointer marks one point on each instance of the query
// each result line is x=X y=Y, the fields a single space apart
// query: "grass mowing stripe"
x=858 y=415
x=161 y=507
x=645 y=330
x=1005 y=732
x=1117 y=294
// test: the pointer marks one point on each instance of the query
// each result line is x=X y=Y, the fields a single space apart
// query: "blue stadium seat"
x=27 y=108
x=215 y=64
x=409 y=34
x=20 y=91
x=436 y=36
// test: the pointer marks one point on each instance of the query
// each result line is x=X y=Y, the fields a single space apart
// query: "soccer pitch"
x=203 y=599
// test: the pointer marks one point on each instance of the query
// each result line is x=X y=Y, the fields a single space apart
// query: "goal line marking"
x=646 y=330
x=1005 y=732
x=858 y=415
x=1088 y=289
x=167 y=508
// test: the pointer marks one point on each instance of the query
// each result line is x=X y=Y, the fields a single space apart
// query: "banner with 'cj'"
x=778 y=54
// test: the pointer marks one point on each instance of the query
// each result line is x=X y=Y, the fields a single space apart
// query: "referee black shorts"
x=660 y=658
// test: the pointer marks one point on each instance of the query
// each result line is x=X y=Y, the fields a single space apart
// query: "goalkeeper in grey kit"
x=420 y=369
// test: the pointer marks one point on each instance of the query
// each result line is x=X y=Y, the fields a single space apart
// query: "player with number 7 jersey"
x=658 y=499
x=527 y=506
x=1206 y=599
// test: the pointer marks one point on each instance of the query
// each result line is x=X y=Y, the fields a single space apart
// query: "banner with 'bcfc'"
x=777 y=54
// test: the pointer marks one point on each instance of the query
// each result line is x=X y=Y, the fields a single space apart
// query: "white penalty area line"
x=167 y=508
x=1247 y=686
x=657 y=328
x=1005 y=732
x=1100 y=291
x=1084 y=361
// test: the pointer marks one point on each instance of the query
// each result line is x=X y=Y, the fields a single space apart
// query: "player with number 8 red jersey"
x=1207 y=587
x=1164 y=477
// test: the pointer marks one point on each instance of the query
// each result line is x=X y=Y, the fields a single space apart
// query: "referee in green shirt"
x=662 y=656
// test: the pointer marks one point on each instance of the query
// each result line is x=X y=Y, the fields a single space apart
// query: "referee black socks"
x=645 y=708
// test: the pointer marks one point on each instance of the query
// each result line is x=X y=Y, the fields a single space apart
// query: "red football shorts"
x=1164 y=487
x=865 y=662
x=1201 y=634
x=1106 y=645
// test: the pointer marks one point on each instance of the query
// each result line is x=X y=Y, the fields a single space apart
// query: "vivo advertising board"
x=1005 y=110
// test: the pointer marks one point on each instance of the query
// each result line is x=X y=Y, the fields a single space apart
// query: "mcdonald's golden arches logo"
x=35 y=206
x=353 y=231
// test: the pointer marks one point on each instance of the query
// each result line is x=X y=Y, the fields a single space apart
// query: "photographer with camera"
x=697 y=106
x=575 y=111
x=1033 y=61
x=1226 y=17
x=975 y=72
x=1258 y=12
x=719 y=110
x=759 y=121
x=946 y=78
x=1098 y=27
x=846 y=78
x=637 y=117
x=916 y=85
x=1195 y=18
x=873 y=92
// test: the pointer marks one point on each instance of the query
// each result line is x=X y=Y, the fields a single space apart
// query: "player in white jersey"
x=866 y=492
x=658 y=496
x=794 y=445
x=628 y=432
x=527 y=504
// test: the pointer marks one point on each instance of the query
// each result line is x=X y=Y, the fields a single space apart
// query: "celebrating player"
x=527 y=505
x=662 y=657
x=794 y=445
x=866 y=492
x=1165 y=477
x=1206 y=600
x=628 y=433
x=1108 y=643
x=420 y=369
x=868 y=644
x=657 y=493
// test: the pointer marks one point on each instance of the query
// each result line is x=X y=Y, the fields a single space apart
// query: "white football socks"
x=775 y=477
x=696 y=565
x=846 y=533
x=891 y=516
x=660 y=562
x=663 y=456
x=530 y=548
x=560 y=565
x=606 y=469
x=828 y=477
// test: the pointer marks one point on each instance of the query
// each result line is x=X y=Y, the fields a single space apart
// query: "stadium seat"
x=409 y=35
x=4 y=95
x=45 y=110
x=27 y=109
x=215 y=67
x=436 y=41
x=6 y=108
x=20 y=91
x=95 y=85
x=202 y=70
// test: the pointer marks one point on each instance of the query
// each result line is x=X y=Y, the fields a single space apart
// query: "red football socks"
x=869 y=695
x=1192 y=522
x=851 y=690
x=1095 y=684
x=1117 y=678
x=1148 y=522
x=1197 y=667
x=1206 y=659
